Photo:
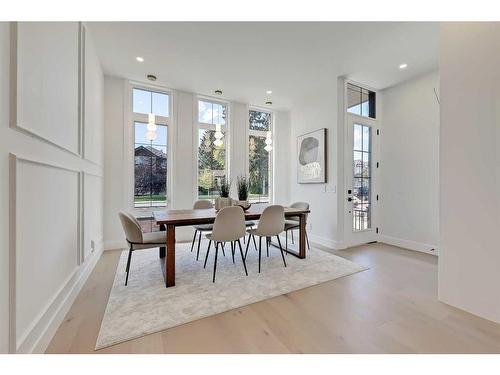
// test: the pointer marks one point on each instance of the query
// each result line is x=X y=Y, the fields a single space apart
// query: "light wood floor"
x=390 y=308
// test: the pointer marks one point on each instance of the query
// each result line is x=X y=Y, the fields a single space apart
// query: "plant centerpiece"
x=242 y=184
x=223 y=200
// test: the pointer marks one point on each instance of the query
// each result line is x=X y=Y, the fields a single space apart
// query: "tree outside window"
x=259 y=160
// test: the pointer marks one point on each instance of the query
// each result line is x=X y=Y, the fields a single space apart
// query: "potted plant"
x=223 y=200
x=242 y=184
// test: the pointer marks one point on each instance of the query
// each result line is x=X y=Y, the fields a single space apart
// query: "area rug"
x=145 y=306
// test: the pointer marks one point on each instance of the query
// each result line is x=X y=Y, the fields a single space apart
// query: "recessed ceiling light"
x=151 y=77
x=218 y=92
x=269 y=103
x=269 y=92
x=403 y=66
x=139 y=58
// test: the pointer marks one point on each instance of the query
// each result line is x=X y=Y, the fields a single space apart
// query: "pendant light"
x=269 y=142
x=151 y=133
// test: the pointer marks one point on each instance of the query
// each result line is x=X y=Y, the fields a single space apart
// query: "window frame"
x=261 y=133
x=226 y=129
x=372 y=96
x=350 y=236
x=129 y=143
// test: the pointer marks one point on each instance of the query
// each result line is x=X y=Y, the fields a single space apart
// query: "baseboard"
x=326 y=242
x=410 y=245
x=115 y=245
x=61 y=306
x=406 y=244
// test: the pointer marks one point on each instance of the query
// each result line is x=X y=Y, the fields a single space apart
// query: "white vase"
x=221 y=202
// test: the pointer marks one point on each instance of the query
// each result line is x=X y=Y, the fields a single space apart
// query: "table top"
x=207 y=216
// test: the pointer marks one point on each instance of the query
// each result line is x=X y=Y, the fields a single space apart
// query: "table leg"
x=162 y=248
x=170 y=258
x=302 y=236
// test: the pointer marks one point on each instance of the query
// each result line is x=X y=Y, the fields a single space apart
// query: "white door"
x=361 y=169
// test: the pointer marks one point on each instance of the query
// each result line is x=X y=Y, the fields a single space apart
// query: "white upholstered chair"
x=138 y=240
x=199 y=229
x=229 y=226
x=271 y=223
x=293 y=223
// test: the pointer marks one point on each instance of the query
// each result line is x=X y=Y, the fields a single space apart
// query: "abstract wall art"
x=311 y=158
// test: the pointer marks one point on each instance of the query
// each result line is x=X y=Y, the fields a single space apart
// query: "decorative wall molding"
x=85 y=177
x=45 y=324
x=14 y=123
x=64 y=304
x=81 y=91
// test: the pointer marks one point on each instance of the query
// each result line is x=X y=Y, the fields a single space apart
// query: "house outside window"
x=150 y=155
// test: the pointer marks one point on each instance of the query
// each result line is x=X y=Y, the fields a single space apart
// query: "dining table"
x=169 y=219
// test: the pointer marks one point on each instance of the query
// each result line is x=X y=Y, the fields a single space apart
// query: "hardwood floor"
x=390 y=308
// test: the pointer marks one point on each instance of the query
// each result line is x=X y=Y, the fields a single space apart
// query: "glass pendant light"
x=269 y=142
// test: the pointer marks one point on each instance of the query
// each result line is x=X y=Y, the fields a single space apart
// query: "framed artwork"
x=311 y=157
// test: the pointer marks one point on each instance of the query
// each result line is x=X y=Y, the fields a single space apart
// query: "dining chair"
x=271 y=223
x=293 y=222
x=138 y=240
x=203 y=228
x=229 y=226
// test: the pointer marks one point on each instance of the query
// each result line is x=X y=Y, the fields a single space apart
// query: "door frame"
x=358 y=238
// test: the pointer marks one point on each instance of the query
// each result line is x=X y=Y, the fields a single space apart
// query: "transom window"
x=360 y=101
x=212 y=142
x=150 y=147
x=146 y=102
x=259 y=159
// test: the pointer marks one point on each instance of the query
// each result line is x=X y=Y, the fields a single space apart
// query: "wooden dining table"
x=168 y=220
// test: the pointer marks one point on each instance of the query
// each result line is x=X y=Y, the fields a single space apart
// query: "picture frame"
x=312 y=157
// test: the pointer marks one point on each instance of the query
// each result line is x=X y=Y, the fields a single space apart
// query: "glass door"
x=361 y=152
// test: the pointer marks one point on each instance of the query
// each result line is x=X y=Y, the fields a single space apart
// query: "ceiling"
x=295 y=60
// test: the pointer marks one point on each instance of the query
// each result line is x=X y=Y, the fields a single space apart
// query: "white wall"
x=319 y=111
x=469 y=259
x=114 y=170
x=409 y=214
x=50 y=200
x=184 y=134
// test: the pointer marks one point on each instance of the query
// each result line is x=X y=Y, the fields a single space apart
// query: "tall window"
x=360 y=101
x=259 y=160
x=212 y=130
x=150 y=150
x=362 y=151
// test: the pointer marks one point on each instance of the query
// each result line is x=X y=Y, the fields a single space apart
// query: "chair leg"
x=232 y=250
x=199 y=243
x=254 y=243
x=194 y=239
x=128 y=263
x=248 y=244
x=307 y=239
x=208 y=251
x=242 y=257
x=215 y=263
x=286 y=241
x=293 y=242
x=244 y=240
x=281 y=249
x=223 y=247
x=267 y=246
x=260 y=248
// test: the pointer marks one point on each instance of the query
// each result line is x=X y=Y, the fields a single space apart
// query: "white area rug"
x=145 y=306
